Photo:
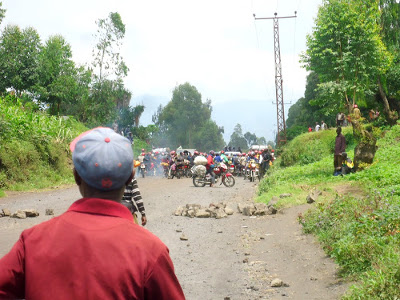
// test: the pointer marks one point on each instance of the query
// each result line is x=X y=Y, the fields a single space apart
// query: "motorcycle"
x=142 y=169
x=253 y=171
x=165 y=167
x=180 y=171
x=200 y=178
x=232 y=168
x=152 y=170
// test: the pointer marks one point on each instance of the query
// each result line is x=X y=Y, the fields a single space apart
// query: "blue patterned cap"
x=102 y=158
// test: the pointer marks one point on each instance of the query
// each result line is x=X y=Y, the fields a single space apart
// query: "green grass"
x=360 y=230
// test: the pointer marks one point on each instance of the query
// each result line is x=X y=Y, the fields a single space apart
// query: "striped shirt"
x=132 y=197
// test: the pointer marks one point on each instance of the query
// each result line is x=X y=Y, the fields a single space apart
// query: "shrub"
x=313 y=146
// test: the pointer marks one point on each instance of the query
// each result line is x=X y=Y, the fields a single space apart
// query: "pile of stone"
x=19 y=214
x=214 y=210
x=258 y=209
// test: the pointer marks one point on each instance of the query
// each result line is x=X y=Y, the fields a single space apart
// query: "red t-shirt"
x=92 y=251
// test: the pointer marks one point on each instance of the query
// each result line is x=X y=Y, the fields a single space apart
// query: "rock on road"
x=231 y=258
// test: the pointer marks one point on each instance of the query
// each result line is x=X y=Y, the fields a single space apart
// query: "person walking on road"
x=94 y=250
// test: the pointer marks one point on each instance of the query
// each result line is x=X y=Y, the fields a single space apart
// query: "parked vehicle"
x=200 y=178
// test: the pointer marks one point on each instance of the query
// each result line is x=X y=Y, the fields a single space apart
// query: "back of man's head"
x=102 y=158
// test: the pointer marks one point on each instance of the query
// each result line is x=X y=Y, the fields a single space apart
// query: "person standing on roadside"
x=340 y=119
x=94 y=250
x=357 y=112
x=340 y=147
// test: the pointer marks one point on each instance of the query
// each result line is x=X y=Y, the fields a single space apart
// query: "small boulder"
x=240 y=207
x=190 y=213
x=6 y=212
x=272 y=210
x=49 y=212
x=202 y=213
x=276 y=283
x=183 y=237
x=31 y=213
x=313 y=196
x=192 y=206
x=248 y=210
x=213 y=211
x=229 y=211
x=19 y=214
x=220 y=213
x=261 y=209
x=179 y=211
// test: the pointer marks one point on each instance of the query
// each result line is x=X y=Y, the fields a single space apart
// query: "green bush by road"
x=34 y=147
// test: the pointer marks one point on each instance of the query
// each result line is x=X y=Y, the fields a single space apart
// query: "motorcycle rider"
x=147 y=160
x=210 y=167
x=217 y=158
x=250 y=156
x=140 y=159
x=224 y=157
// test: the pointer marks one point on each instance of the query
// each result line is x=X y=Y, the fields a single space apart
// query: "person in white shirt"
x=317 y=127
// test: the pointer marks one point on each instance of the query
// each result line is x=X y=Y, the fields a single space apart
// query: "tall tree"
x=184 y=117
x=346 y=50
x=107 y=58
x=19 y=55
x=57 y=80
x=251 y=139
x=237 y=139
x=185 y=114
x=108 y=93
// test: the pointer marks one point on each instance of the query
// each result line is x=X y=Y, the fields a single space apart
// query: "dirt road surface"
x=231 y=258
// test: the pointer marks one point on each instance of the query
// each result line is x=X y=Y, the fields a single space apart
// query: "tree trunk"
x=391 y=116
x=364 y=152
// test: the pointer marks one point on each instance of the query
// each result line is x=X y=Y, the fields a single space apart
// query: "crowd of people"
x=178 y=164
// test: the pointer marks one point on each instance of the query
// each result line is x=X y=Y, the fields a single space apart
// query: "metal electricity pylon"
x=280 y=106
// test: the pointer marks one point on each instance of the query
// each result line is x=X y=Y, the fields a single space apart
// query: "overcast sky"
x=215 y=45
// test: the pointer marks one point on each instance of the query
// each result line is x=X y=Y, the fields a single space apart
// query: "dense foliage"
x=44 y=73
x=34 y=146
x=353 y=53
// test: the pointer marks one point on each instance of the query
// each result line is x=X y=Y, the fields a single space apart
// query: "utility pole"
x=280 y=107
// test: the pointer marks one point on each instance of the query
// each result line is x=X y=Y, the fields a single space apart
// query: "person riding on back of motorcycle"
x=210 y=167
x=217 y=158
x=224 y=157
x=195 y=154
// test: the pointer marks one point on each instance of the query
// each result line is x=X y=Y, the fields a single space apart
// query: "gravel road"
x=231 y=258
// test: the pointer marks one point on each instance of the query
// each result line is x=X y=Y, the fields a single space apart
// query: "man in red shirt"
x=94 y=250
